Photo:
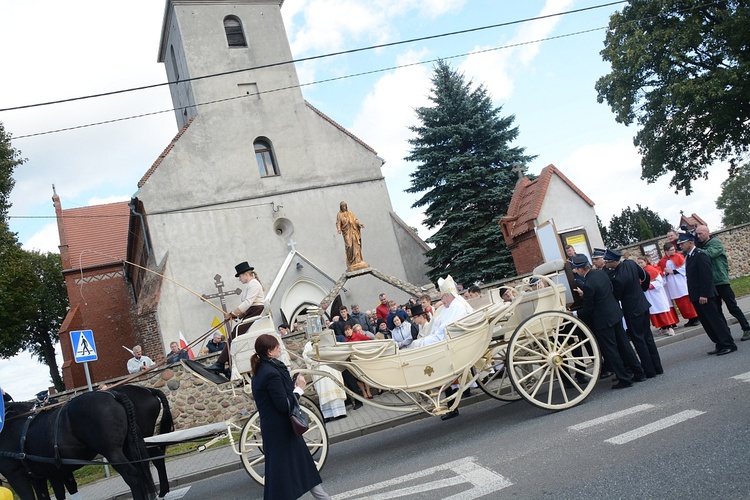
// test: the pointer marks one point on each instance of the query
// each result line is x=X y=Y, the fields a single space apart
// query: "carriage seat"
x=332 y=350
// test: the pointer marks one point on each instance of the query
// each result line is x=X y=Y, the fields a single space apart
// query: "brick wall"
x=526 y=253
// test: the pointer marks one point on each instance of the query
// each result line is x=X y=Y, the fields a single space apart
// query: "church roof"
x=527 y=200
x=96 y=235
x=164 y=153
x=691 y=220
x=338 y=126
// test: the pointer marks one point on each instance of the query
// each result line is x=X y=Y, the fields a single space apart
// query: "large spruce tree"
x=465 y=172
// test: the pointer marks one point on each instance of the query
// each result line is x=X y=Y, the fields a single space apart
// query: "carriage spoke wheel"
x=494 y=379
x=553 y=360
x=251 y=444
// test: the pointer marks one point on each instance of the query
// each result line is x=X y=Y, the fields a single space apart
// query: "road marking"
x=655 y=426
x=175 y=494
x=466 y=470
x=745 y=377
x=610 y=417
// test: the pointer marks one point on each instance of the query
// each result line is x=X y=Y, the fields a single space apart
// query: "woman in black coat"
x=290 y=469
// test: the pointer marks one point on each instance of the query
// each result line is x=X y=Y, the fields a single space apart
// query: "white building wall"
x=569 y=210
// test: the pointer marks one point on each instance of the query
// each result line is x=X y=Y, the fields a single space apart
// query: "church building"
x=254 y=173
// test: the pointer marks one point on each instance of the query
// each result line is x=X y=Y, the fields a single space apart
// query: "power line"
x=317 y=82
x=312 y=58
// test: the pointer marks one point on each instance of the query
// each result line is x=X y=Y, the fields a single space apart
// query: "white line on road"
x=745 y=377
x=466 y=470
x=610 y=417
x=655 y=426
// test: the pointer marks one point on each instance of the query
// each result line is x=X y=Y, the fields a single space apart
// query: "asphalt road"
x=682 y=435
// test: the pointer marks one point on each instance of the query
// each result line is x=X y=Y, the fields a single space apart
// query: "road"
x=684 y=434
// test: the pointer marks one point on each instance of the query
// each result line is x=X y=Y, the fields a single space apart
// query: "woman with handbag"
x=290 y=469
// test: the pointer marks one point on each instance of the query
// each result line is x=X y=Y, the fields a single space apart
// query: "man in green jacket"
x=720 y=267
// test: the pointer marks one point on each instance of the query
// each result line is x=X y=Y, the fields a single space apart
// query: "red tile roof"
x=692 y=220
x=527 y=200
x=96 y=235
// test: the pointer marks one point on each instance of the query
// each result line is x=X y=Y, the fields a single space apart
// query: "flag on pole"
x=217 y=322
x=184 y=345
x=129 y=350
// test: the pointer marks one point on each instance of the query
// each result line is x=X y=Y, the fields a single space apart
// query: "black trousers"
x=639 y=328
x=727 y=295
x=608 y=343
x=714 y=323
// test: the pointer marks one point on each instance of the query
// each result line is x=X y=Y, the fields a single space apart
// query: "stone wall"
x=194 y=402
x=736 y=241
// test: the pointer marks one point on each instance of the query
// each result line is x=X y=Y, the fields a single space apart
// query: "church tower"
x=220 y=50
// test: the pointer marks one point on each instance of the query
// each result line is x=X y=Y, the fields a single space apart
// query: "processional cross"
x=221 y=293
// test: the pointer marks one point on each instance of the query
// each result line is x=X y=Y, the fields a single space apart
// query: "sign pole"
x=88 y=375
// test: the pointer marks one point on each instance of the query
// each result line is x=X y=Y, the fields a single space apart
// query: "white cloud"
x=22 y=376
x=610 y=174
x=45 y=241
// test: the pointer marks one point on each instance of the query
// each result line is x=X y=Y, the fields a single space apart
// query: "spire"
x=63 y=246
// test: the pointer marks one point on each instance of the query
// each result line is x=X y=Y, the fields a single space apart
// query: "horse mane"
x=135 y=448
x=17 y=408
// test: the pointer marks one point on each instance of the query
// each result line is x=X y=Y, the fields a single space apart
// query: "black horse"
x=147 y=404
x=50 y=443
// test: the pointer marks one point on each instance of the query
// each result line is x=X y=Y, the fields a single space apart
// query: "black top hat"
x=416 y=310
x=241 y=268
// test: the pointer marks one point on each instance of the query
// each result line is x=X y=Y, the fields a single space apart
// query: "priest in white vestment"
x=454 y=308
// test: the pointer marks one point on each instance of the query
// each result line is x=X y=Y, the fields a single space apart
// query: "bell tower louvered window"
x=233 y=30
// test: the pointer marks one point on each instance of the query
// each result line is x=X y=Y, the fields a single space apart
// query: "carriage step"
x=203 y=372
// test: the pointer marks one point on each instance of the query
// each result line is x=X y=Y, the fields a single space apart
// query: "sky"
x=540 y=71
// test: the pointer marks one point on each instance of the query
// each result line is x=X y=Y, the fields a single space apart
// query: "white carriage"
x=530 y=348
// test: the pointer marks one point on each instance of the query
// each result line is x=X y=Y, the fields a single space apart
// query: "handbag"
x=298 y=418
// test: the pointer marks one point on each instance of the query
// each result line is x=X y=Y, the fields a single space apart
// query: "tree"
x=466 y=172
x=636 y=225
x=680 y=69
x=735 y=198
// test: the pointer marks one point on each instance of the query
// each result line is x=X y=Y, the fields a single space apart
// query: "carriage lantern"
x=314 y=326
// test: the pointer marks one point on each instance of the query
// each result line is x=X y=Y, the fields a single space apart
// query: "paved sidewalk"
x=368 y=419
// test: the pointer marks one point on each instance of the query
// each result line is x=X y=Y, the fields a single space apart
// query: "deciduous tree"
x=735 y=198
x=632 y=226
x=465 y=174
x=680 y=69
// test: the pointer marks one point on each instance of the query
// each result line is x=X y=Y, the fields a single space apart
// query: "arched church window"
x=264 y=155
x=233 y=30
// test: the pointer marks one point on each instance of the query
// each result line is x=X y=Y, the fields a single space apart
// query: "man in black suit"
x=626 y=284
x=703 y=295
x=601 y=310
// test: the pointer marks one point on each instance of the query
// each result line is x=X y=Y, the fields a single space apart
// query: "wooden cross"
x=221 y=294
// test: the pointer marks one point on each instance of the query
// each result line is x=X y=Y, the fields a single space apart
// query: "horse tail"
x=167 y=424
x=135 y=448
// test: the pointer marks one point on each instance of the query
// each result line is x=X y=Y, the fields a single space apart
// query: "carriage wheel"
x=553 y=360
x=251 y=444
x=310 y=404
x=493 y=378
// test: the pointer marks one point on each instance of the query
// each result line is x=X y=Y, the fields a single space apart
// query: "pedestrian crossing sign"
x=84 y=349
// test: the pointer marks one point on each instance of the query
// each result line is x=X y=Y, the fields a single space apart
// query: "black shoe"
x=339 y=417
x=715 y=351
x=745 y=335
x=693 y=322
x=357 y=405
x=449 y=415
x=604 y=375
x=726 y=350
x=328 y=419
x=641 y=378
x=622 y=385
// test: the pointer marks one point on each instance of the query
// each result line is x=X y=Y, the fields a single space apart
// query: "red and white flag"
x=184 y=345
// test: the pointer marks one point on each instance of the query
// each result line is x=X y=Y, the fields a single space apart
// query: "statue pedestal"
x=358 y=266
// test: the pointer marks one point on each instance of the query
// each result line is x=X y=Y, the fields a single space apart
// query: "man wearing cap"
x=601 y=310
x=597 y=258
x=703 y=295
x=720 y=267
x=627 y=277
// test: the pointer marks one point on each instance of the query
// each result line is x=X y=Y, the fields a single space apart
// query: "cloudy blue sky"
x=541 y=71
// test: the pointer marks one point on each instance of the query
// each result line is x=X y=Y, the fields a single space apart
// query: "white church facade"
x=255 y=173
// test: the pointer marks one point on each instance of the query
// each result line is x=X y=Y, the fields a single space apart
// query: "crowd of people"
x=623 y=298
